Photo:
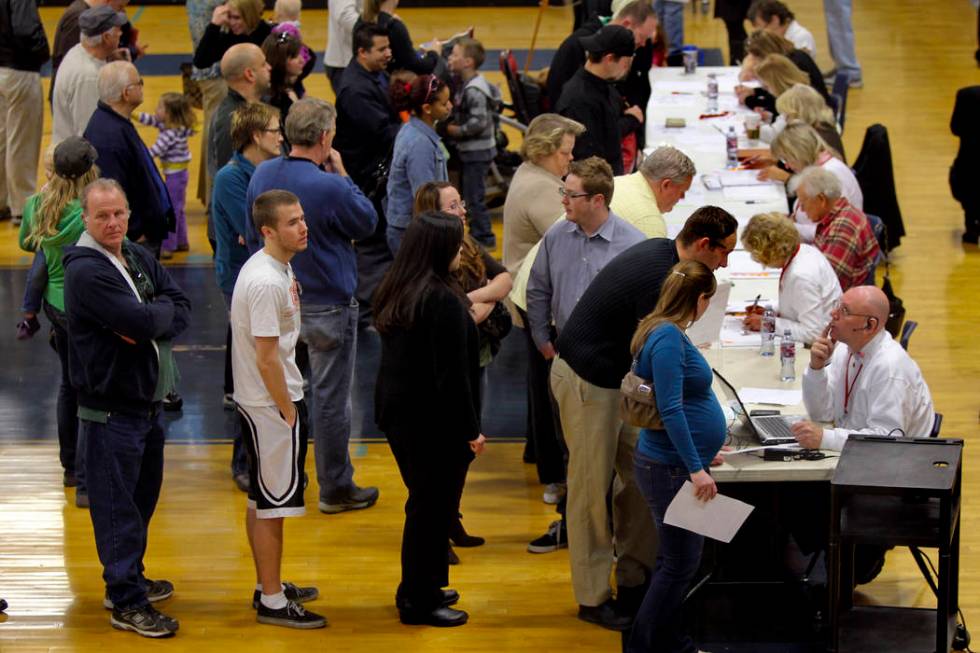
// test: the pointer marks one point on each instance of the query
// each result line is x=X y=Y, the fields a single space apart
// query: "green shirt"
x=70 y=227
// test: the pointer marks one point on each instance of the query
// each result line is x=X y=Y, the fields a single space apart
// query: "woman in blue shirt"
x=419 y=155
x=694 y=431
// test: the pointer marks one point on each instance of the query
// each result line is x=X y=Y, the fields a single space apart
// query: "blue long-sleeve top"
x=695 y=425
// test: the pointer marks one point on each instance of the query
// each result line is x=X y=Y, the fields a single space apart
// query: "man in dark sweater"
x=590 y=98
x=124 y=310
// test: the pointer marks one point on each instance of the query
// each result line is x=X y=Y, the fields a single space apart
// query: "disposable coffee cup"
x=690 y=53
x=753 y=125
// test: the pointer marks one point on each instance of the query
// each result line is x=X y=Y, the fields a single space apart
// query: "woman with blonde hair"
x=808 y=285
x=801 y=102
x=234 y=22
x=761 y=44
x=687 y=443
x=53 y=221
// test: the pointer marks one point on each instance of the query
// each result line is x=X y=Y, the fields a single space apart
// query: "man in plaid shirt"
x=844 y=234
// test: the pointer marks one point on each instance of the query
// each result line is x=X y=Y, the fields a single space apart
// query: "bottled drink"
x=767 y=331
x=731 y=145
x=712 y=94
x=787 y=357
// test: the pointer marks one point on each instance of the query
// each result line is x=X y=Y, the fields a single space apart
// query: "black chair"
x=525 y=96
x=907 y=330
x=873 y=169
x=839 y=94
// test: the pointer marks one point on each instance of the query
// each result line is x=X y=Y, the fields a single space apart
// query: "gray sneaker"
x=352 y=498
x=145 y=621
x=156 y=590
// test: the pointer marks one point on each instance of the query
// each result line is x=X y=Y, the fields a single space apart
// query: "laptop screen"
x=732 y=395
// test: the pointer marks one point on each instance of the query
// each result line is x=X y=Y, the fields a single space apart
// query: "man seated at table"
x=808 y=287
x=644 y=196
x=844 y=234
x=868 y=385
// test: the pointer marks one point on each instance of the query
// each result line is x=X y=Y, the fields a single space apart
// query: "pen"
x=752 y=202
x=757 y=298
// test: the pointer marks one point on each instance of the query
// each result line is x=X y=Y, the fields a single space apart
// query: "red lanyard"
x=848 y=384
x=786 y=267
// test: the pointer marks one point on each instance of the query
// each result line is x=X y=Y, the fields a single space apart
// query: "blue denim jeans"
x=671 y=16
x=330 y=334
x=840 y=36
x=124 y=471
x=473 y=178
x=658 y=624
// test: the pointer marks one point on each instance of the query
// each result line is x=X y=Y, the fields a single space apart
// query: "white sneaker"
x=554 y=492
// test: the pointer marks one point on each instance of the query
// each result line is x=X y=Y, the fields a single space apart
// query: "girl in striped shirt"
x=176 y=121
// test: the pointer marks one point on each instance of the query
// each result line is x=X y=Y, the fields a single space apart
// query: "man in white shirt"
x=774 y=16
x=869 y=385
x=76 y=90
x=269 y=393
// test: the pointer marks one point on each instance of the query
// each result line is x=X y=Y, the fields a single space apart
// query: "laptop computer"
x=769 y=429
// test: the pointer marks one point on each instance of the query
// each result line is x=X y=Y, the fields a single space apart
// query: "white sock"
x=274 y=601
x=258 y=586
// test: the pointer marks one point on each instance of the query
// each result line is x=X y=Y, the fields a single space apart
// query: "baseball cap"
x=98 y=20
x=614 y=39
x=73 y=157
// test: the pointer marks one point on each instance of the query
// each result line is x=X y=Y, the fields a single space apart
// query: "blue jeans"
x=473 y=178
x=35 y=284
x=124 y=471
x=657 y=626
x=671 y=16
x=330 y=334
x=840 y=36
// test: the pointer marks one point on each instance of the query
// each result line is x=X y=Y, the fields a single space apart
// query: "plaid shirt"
x=845 y=238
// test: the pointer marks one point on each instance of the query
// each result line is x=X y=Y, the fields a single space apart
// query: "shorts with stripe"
x=276 y=460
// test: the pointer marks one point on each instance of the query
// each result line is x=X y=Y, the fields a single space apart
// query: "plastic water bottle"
x=767 y=331
x=731 y=146
x=787 y=357
x=712 y=94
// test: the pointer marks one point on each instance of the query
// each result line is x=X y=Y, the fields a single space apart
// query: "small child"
x=176 y=121
x=473 y=128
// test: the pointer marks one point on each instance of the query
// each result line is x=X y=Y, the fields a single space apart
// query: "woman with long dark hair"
x=284 y=52
x=427 y=403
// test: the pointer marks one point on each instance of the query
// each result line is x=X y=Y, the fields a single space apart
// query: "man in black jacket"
x=23 y=49
x=124 y=310
x=590 y=98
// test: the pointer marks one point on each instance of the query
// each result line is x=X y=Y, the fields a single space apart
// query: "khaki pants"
x=213 y=91
x=21 y=106
x=599 y=444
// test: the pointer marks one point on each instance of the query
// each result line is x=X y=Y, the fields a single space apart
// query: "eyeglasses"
x=272 y=130
x=457 y=205
x=839 y=307
x=571 y=196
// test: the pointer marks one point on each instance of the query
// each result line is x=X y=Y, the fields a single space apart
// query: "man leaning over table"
x=643 y=197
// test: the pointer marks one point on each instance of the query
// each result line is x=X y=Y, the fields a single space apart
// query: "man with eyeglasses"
x=868 y=385
x=124 y=311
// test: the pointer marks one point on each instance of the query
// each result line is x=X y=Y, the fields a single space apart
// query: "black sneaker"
x=146 y=621
x=352 y=498
x=292 y=592
x=292 y=616
x=156 y=590
x=605 y=615
x=556 y=538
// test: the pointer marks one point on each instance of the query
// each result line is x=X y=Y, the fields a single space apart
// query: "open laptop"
x=769 y=429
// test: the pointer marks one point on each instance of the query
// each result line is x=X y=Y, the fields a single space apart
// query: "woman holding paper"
x=694 y=430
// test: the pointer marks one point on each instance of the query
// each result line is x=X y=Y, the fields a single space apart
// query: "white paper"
x=771 y=396
x=732 y=452
x=718 y=519
x=760 y=194
x=741 y=178
x=707 y=329
x=741 y=266
x=733 y=335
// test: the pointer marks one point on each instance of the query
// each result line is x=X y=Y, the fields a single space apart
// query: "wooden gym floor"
x=915 y=55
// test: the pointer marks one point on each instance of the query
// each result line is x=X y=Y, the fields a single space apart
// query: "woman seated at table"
x=800 y=102
x=777 y=74
x=760 y=44
x=692 y=434
x=799 y=146
x=808 y=285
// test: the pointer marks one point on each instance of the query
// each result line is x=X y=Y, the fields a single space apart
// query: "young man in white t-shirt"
x=269 y=393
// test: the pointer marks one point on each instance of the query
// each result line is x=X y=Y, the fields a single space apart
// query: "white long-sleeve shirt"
x=801 y=38
x=849 y=189
x=887 y=393
x=340 y=32
x=808 y=289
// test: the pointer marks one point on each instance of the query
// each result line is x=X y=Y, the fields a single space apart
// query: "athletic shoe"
x=291 y=616
x=146 y=621
x=556 y=538
x=553 y=493
x=241 y=481
x=292 y=592
x=605 y=615
x=156 y=590
x=352 y=498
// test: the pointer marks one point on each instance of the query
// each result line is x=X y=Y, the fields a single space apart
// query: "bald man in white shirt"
x=860 y=379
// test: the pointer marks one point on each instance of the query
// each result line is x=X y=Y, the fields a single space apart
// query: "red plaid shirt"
x=845 y=238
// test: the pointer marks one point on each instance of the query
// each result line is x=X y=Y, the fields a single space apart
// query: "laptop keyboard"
x=775 y=427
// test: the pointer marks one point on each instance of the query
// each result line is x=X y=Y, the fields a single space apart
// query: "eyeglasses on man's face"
x=844 y=311
x=570 y=195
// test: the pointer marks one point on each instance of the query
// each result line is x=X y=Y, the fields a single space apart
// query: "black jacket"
x=215 y=42
x=403 y=54
x=108 y=372
x=366 y=123
x=873 y=169
x=962 y=182
x=23 y=44
x=124 y=157
x=596 y=104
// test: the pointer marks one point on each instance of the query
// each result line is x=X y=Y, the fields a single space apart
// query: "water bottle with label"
x=712 y=94
x=767 y=331
x=731 y=146
x=787 y=357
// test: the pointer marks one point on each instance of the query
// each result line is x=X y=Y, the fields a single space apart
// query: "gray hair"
x=667 y=163
x=91 y=41
x=818 y=181
x=113 y=80
x=308 y=119
x=103 y=185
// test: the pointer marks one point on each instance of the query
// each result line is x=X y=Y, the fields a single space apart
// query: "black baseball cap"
x=73 y=157
x=99 y=20
x=614 y=39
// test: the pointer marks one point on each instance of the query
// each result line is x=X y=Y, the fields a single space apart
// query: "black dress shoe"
x=605 y=615
x=452 y=557
x=441 y=617
x=449 y=597
x=461 y=538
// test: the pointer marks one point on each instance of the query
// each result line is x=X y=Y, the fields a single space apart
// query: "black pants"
x=736 y=41
x=543 y=427
x=67 y=399
x=373 y=260
x=433 y=477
